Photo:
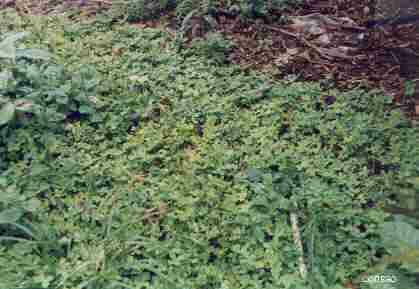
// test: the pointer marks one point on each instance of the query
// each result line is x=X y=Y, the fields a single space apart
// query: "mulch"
x=350 y=56
x=371 y=63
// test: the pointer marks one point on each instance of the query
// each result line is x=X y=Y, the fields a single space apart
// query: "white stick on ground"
x=297 y=241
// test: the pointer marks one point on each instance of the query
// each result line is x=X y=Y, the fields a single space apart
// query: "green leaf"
x=33 y=205
x=3 y=181
x=85 y=109
x=414 y=181
x=409 y=88
x=5 y=76
x=7 y=50
x=399 y=233
x=9 y=195
x=7 y=113
x=8 y=46
x=10 y=216
x=14 y=36
x=33 y=53
x=254 y=175
x=62 y=99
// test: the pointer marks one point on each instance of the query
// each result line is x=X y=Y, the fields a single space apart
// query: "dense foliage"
x=37 y=96
x=185 y=171
x=135 y=10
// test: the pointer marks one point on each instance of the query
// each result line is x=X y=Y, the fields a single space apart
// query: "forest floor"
x=321 y=40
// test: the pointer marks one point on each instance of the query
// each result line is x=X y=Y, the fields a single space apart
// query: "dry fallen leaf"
x=334 y=52
x=306 y=27
x=141 y=25
x=154 y=215
x=287 y=57
x=23 y=104
x=116 y=51
x=323 y=39
x=139 y=178
x=191 y=154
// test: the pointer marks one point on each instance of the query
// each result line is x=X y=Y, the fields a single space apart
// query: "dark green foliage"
x=184 y=7
x=138 y=10
x=214 y=47
x=247 y=8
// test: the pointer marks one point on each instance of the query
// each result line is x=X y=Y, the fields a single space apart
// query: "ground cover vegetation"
x=134 y=10
x=128 y=160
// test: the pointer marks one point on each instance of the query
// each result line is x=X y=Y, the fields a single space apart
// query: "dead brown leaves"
x=155 y=215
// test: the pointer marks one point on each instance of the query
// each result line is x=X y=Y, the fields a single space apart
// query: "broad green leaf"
x=9 y=195
x=3 y=100
x=7 y=50
x=85 y=109
x=62 y=99
x=10 y=216
x=5 y=76
x=3 y=181
x=33 y=53
x=254 y=175
x=7 y=113
x=33 y=205
x=409 y=260
x=139 y=78
x=399 y=233
x=414 y=181
x=8 y=46
x=14 y=36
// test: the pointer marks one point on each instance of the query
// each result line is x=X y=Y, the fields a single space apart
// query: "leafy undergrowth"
x=141 y=10
x=185 y=171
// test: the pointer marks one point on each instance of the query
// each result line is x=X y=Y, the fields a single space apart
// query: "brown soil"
x=371 y=63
